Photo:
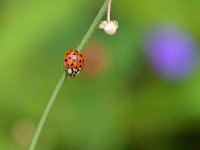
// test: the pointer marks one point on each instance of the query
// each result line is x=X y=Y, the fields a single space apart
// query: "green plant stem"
x=93 y=25
x=64 y=76
x=46 y=111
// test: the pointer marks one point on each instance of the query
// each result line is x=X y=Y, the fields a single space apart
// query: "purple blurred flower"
x=171 y=52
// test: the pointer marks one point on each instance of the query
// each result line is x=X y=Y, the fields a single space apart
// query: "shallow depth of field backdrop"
x=119 y=101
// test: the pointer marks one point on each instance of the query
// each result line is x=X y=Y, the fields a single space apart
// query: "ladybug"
x=73 y=62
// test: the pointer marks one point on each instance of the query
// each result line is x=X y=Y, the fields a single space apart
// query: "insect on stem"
x=60 y=83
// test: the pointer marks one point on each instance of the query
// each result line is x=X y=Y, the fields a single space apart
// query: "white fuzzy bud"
x=110 y=27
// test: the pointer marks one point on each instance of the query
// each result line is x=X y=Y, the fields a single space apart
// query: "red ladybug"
x=73 y=62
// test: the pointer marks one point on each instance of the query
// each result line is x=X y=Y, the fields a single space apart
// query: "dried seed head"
x=110 y=27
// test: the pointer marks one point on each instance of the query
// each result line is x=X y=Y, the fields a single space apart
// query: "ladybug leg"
x=71 y=75
x=78 y=72
x=63 y=68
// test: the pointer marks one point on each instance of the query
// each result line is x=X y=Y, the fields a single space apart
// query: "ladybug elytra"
x=73 y=62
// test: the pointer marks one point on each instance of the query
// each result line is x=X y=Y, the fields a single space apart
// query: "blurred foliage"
x=123 y=106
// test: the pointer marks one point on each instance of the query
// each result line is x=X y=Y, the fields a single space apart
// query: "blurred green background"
x=118 y=102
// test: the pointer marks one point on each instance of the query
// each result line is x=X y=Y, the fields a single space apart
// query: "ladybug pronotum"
x=73 y=62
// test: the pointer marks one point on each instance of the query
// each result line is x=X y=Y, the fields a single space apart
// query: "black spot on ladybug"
x=74 y=54
x=67 y=53
x=80 y=61
x=65 y=59
x=81 y=55
x=70 y=57
x=72 y=64
x=83 y=60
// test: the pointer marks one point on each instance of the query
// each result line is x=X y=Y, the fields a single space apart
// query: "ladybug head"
x=73 y=72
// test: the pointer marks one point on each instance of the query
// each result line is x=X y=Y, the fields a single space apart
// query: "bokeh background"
x=123 y=100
